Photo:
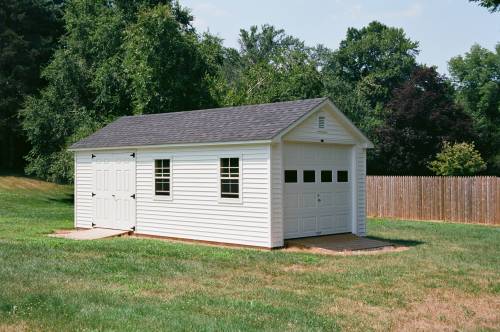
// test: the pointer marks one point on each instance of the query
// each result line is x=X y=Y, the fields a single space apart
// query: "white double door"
x=323 y=206
x=114 y=190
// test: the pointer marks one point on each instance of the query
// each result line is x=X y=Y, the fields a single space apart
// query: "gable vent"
x=321 y=122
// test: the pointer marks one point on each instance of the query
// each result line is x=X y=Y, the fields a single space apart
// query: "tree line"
x=67 y=68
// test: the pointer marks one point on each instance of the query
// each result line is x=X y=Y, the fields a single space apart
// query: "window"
x=290 y=176
x=326 y=176
x=342 y=176
x=229 y=177
x=321 y=122
x=162 y=177
x=309 y=176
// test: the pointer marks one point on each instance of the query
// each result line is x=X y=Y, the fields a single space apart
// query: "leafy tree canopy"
x=421 y=115
x=476 y=77
x=458 y=159
x=29 y=30
x=374 y=60
x=117 y=58
x=270 y=66
x=492 y=5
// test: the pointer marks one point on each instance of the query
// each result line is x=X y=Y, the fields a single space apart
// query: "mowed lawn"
x=448 y=279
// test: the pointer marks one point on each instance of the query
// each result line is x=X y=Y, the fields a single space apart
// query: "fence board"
x=462 y=199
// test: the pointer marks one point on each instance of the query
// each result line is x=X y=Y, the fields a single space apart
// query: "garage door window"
x=309 y=176
x=162 y=177
x=326 y=176
x=342 y=176
x=229 y=177
x=290 y=176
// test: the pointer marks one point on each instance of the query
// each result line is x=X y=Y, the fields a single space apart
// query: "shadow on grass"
x=67 y=199
x=399 y=242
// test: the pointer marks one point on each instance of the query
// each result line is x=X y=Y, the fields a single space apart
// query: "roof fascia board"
x=180 y=145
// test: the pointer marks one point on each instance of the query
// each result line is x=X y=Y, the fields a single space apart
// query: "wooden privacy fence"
x=452 y=198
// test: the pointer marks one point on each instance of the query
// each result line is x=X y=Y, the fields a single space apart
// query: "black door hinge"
x=93 y=155
x=132 y=154
x=93 y=194
x=133 y=196
x=133 y=228
x=93 y=224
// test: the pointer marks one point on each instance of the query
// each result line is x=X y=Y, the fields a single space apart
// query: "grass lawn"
x=448 y=279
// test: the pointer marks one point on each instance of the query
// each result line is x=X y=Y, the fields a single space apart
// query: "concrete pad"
x=338 y=242
x=89 y=234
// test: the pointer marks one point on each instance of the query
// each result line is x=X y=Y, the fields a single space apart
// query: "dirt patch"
x=374 y=251
x=438 y=311
x=15 y=182
x=17 y=327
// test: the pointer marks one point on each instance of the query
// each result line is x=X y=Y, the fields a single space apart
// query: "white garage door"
x=318 y=189
x=114 y=190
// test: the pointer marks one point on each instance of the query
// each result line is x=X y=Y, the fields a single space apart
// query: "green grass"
x=450 y=277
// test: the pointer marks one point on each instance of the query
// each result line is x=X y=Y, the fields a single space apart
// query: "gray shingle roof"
x=228 y=124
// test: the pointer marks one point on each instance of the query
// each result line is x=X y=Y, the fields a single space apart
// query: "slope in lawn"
x=449 y=278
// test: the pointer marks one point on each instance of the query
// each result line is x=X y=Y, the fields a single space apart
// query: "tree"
x=457 y=159
x=492 y=5
x=29 y=30
x=420 y=116
x=166 y=67
x=476 y=77
x=117 y=58
x=373 y=61
x=270 y=66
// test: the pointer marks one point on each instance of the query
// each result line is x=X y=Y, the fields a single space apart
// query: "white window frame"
x=162 y=197
x=231 y=200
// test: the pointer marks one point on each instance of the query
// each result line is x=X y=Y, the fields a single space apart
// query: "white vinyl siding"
x=83 y=190
x=361 y=190
x=277 y=239
x=196 y=211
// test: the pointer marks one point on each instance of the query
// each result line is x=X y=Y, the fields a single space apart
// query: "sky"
x=444 y=28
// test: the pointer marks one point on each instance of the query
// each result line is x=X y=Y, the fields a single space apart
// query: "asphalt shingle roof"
x=228 y=124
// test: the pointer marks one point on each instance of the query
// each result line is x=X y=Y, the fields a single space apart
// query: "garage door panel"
x=342 y=222
x=292 y=226
x=326 y=199
x=292 y=201
x=326 y=223
x=323 y=206
x=309 y=200
x=309 y=225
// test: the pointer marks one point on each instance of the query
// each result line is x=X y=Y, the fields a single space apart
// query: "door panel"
x=114 y=185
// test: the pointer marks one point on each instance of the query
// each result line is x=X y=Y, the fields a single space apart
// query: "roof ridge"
x=320 y=99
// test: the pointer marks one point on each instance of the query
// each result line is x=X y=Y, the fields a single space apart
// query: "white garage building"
x=251 y=175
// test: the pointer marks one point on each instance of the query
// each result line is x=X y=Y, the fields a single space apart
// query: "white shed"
x=250 y=175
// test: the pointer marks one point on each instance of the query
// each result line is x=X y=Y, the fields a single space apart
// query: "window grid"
x=162 y=177
x=230 y=177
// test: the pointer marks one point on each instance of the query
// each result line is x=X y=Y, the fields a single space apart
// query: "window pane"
x=162 y=187
x=342 y=176
x=326 y=176
x=234 y=162
x=309 y=176
x=290 y=176
x=230 y=188
x=224 y=162
x=162 y=167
